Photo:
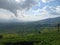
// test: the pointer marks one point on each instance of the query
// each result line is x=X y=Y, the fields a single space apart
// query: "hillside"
x=20 y=27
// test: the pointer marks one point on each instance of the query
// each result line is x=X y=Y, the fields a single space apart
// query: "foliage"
x=46 y=37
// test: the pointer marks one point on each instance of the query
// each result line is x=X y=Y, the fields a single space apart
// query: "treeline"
x=30 y=28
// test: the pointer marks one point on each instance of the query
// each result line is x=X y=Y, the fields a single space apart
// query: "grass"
x=46 y=37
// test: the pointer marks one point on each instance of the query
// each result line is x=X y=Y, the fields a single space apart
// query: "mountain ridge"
x=29 y=26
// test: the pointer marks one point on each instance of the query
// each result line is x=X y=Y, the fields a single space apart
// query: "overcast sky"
x=29 y=10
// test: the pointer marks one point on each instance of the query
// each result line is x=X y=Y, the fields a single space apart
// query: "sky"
x=28 y=10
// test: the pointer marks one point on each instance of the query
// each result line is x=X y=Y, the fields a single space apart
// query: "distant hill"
x=20 y=27
x=50 y=21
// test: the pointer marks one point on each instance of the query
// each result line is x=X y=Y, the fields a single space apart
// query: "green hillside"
x=31 y=33
x=43 y=37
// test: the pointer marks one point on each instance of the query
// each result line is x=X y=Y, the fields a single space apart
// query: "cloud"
x=58 y=9
x=20 y=9
x=54 y=10
x=47 y=1
x=6 y=16
x=38 y=14
x=13 y=5
x=9 y=18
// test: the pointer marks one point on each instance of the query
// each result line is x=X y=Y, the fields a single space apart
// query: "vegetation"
x=46 y=36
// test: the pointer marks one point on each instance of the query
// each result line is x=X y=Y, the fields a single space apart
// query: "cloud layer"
x=29 y=10
x=13 y=5
x=47 y=1
x=38 y=14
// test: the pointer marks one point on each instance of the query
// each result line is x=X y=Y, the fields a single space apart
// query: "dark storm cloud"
x=12 y=5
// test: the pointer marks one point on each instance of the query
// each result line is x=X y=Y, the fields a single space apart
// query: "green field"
x=43 y=37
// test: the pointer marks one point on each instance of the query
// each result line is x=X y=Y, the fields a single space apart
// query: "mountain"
x=20 y=27
x=50 y=21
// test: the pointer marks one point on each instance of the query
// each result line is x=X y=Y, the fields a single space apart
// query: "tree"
x=58 y=27
x=1 y=36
